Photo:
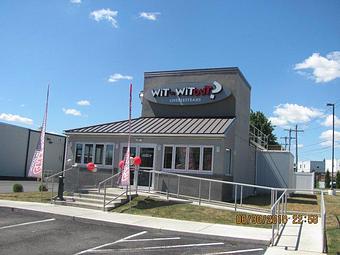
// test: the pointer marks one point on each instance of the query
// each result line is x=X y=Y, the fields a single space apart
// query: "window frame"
x=228 y=172
x=172 y=156
x=82 y=153
x=94 y=153
x=186 y=169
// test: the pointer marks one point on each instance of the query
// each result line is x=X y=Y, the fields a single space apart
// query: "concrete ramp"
x=302 y=238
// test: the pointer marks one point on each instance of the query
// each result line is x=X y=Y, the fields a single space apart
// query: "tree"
x=261 y=122
x=337 y=180
x=327 y=180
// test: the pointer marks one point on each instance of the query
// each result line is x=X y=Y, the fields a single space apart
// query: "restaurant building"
x=193 y=122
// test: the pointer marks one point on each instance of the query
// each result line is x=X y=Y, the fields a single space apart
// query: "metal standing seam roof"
x=156 y=126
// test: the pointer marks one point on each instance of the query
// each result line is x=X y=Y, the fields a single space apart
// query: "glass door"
x=146 y=153
x=147 y=156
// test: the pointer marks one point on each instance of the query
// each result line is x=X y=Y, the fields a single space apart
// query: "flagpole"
x=129 y=138
x=43 y=129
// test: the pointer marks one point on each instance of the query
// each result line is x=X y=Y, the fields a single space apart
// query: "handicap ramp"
x=302 y=238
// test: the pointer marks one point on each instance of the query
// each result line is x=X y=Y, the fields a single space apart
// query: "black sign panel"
x=188 y=93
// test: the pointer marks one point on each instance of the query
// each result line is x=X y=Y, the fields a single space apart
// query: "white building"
x=321 y=166
x=328 y=165
x=309 y=166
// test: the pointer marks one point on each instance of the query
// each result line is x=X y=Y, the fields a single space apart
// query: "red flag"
x=125 y=180
x=37 y=163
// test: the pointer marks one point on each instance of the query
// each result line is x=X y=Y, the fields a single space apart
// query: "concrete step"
x=118 y=201
x=109 y=191
x=96 y=196
x=86 y=205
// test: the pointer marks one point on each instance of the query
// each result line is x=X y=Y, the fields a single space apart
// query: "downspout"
x=27 y=150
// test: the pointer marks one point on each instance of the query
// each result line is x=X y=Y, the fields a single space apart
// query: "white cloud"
x=286 y=114
x=117 y=76
x=15 y=118
x=149 y=15
x=327 y=137
x=73 y=112
x=329 y=121
x=324 y=69
x=83 y=103
x=75 y=1
x=105 y=14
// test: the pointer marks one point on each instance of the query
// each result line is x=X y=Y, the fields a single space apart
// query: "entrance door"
x=147 y=154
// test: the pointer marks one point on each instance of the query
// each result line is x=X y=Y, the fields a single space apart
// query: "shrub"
x=43 y=187
x=18 y=187
x=337 y=179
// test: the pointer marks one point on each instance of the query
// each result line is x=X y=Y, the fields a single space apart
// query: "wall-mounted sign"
x=188 y=93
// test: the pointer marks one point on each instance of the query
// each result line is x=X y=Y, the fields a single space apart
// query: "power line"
x=308 y=145
x=316 y=150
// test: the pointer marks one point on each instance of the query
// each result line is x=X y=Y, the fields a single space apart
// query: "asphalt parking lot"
x=28 y=232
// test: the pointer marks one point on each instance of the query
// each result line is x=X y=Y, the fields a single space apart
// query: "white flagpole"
x=129 y=139
x=42 y=143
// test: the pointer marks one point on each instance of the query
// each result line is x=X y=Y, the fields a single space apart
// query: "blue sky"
x=289 y=51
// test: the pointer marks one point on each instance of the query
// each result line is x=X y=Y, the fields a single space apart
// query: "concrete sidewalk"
x=299 y=239
x=249 y=233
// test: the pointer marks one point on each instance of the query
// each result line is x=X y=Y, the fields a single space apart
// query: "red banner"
x=37 y=163
x=125 y=178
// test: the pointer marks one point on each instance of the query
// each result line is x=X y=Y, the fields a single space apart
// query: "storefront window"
x=188 y=158
x=109 y=154
x=194 y=158
x=146 y=155
x=132 y=152
x=99 y=153
x=88 y=155
x=207 y=159
x=167 y=157
x=180 y=157
x=79 y=152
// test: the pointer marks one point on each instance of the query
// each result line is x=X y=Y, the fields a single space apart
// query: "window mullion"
x=82 y=153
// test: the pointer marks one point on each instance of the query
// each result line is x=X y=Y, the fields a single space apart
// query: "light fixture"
x=141 y=96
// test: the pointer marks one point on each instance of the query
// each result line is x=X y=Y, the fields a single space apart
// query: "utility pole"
x=289 y=137
x=296 y=146
x=333 y=106
x=286 y=138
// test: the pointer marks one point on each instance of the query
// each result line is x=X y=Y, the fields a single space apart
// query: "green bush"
x=337 y=179
x=18 y=188
x=43 y=187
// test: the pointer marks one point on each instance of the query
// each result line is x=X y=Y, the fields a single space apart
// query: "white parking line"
x=158 y=247
x=107 y=244
x=233 y=252
x=26 y=223
x=152 y=239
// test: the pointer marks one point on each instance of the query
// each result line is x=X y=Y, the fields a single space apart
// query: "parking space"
x=27 y=232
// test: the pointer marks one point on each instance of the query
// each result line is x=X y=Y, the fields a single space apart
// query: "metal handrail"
x=233 y=183
x=113 y=199
x=57 y=174
x=64 y=171
x=278 y=209
x=217 y=181
x=107 y=179
x=261 y=138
